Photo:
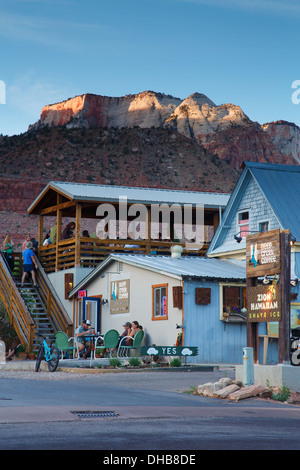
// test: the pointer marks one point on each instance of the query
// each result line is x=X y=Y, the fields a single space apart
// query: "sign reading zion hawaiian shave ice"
x=264 y=303
x=263 y=254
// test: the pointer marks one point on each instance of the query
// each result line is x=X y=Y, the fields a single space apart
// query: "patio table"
x=93 y=339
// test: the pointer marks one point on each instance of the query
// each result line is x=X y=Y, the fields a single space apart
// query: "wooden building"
x=110 y=212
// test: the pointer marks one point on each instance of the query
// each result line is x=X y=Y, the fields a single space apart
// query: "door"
x=91 y=311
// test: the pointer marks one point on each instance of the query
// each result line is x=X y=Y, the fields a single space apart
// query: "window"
x=243 y=223
x=263 y=226
x=160 y=302
x=233 y=301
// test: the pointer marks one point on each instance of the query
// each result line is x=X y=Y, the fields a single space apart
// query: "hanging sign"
x=81 y=293
x=263 y=254
x=264 y=303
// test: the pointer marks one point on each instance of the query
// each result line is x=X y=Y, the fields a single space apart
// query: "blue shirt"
x=27 y=254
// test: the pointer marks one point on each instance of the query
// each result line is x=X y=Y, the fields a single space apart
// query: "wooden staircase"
x=32 y=309
x=38 y=312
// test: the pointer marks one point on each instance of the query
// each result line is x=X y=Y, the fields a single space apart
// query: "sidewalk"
x=103 y=365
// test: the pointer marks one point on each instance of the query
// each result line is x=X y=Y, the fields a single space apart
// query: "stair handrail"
x=55 y=309
x=16 y=307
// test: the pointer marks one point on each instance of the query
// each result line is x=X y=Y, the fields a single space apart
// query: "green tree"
x=7 y=332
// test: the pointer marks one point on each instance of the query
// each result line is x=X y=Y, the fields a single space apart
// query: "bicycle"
x=49 y=353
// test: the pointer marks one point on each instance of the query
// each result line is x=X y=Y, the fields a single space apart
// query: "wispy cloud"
x=66 y=35
x=29 y=93
x=269 y=6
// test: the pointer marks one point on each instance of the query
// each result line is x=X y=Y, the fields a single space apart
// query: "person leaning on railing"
x=8 y=251
x=53 y=233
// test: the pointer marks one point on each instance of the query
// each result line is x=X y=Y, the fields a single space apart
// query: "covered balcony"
x=110 y=219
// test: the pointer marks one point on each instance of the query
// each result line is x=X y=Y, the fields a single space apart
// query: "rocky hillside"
x=223 y=130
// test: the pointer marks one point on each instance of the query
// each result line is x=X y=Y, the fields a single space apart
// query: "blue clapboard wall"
x=218 y=342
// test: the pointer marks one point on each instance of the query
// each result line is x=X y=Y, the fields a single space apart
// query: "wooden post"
x=41 y=230
x=252 y=328
x=77 y=235
x=284 y=280
x=148 y=231
x=216 y=222
x=58 y=232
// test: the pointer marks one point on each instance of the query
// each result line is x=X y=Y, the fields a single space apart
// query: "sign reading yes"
x=169 y=351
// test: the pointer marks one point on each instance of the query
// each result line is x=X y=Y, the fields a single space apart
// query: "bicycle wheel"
x=53 y=363
x=39 y=358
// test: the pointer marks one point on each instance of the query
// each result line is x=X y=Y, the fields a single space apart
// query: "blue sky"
x=238 y=51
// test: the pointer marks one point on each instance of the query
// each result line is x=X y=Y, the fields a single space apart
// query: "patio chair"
x=110 y=341
x=63 y=343
x=124 y=349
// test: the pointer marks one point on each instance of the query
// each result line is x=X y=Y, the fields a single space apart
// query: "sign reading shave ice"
x=264 y=303
x=263 y=254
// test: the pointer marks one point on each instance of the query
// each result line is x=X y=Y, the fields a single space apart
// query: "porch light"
x=109 y=272
x=292 y=240
x=237 y=238
x=104 y=301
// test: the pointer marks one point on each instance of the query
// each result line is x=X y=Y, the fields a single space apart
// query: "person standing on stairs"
x=8 y=251
x=29 y=264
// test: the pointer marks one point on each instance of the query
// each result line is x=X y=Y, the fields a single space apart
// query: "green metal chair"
x=124 y=349
x=62 y=342
x=110 y=341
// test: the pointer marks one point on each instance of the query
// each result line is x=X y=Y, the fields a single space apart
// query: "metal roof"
x=281 y=186
x=186 y=266
x=108 y=193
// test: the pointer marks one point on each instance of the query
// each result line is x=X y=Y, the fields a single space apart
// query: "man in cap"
x=126 y=332
x=83 y=341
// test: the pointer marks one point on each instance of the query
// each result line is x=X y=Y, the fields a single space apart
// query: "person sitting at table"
x=127 y=329
x=134 y=330
x=84 y=343
x=131 y=333
x=126 y=332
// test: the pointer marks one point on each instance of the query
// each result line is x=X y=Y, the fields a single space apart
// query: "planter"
x=32 y=357
x=22 y=356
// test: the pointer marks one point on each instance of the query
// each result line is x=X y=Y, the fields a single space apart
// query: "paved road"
x=152 y=413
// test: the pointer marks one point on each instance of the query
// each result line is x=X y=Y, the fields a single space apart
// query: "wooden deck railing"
x=89 y=252
x=16 y=308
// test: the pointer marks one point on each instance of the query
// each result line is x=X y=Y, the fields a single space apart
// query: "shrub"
x=115 y=362
x=134 y=362
x=282 y=394
x=7 y=332
x=176 y=362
